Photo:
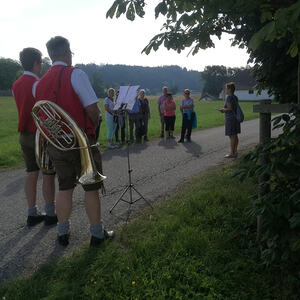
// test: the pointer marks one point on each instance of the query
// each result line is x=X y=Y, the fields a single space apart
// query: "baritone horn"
x=60 y=130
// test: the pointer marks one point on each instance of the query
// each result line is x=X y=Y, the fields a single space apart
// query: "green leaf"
x=295 y=220
x=130 y=15
x=110 y=13
x=293 y=50
x=161 y=8
x=263 y=34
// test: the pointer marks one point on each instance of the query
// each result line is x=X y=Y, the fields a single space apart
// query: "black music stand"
x=130 y=187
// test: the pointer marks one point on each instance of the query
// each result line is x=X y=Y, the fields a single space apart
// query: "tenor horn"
x=61 y=131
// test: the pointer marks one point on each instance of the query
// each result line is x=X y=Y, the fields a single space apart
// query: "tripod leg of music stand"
x=142 y=196
x=120 y=198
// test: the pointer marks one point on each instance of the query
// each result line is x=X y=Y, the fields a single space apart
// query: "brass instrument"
x=42 y=157
x=60 y=130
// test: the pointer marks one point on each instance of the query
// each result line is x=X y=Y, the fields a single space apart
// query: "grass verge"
x=194 y=245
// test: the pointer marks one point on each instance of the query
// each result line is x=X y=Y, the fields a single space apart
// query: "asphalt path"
x=159 y=168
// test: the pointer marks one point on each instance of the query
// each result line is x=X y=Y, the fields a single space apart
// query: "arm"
x=188 y=106
x=228 y=106
x=106 y=107
x=87 y=96
x=94 y=113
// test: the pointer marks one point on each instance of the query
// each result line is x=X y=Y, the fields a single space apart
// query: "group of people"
x=138 y=118
x=70 y=88
x=167 y=113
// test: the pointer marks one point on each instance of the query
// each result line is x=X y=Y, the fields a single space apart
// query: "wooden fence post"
x=264 y=136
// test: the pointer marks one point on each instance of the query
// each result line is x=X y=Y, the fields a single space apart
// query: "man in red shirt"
x=31 y=60
x=70 y=88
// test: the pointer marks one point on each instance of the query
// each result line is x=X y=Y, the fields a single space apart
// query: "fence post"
x=264 y=136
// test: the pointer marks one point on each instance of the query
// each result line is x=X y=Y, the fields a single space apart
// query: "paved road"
x=23 y=249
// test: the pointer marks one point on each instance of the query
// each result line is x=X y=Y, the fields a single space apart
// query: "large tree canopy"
x=193 y=24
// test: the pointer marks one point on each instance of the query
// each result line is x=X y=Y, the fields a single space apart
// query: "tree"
x=215 y=77
x=46 y=65
x=193 y=23
x=282 y=22
x=10 y=70
x=98 y=85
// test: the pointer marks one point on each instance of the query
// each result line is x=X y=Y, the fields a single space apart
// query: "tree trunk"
x=299 y=78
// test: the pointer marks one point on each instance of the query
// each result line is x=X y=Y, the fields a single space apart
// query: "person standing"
x=169 y=115
x=232 y=126
x=110 y=117
x=160 y=107
x=145 y=115
x=135 y=121
x=188 y=116
x=120 y=124
x=23 y=89
x=70 y=89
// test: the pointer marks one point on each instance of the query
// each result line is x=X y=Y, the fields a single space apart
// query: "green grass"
x=10 y=153
x=194 y=245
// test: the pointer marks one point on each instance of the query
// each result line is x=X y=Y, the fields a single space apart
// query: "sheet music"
x=126 y=98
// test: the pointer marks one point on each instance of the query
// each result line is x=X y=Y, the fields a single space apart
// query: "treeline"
x=152 y=79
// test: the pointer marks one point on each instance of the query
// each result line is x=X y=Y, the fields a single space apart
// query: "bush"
x=280 y=206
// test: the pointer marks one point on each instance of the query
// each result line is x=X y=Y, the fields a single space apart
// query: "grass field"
x=10 y=154
x=194 y=245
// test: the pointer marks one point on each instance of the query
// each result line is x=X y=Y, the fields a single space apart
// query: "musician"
x=31 y=61
x=70 y=88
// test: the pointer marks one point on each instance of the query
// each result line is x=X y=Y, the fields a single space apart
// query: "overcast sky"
x=95 y=39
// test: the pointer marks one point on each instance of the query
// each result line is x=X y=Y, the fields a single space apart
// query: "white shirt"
x=81 y=85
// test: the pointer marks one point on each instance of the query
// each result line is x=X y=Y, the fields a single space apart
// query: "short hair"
x=109 y=90
x=57 y=47
x=230 y=86
x=28 y=56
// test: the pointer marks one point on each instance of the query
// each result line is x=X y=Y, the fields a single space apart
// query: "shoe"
x=230 y=156
x=181 y=141
x=172 y=137
x=162 y=135
x=146 y=139
x=50 y=220
x=33 y=220
x=112 y=146
x=188 y=139
x=96 y=242
x=63 y=240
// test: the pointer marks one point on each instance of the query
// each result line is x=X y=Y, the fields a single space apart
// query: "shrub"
x=280 y=206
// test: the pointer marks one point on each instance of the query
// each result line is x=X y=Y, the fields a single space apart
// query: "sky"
x=96 y=39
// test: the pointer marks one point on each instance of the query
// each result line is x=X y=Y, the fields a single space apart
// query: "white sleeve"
x=83 y=88
x=34 y=88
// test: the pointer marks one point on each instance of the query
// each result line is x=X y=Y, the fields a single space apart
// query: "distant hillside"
x=149 y=78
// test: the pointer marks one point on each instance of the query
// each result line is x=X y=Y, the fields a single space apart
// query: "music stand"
x=124 y=107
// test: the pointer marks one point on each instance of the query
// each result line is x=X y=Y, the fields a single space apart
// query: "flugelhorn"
x=60 y=130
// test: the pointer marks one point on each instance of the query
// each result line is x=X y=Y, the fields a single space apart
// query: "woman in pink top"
x=169 y=115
